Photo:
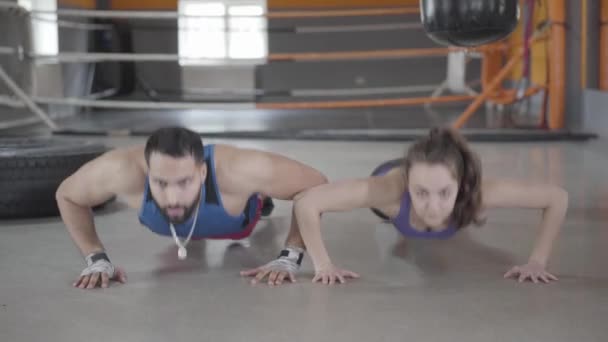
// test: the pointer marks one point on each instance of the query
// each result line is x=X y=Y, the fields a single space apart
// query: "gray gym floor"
x=409 y=291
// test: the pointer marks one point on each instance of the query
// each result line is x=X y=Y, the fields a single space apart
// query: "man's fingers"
x=84 y=281
x=78 y=281
x=511 y=272
x=280 y=278
x=260 y=275
x=351 y=274
x=121 y=275
x=93 y=281
x=105 y=280
x=272 y=278
x=251 y=272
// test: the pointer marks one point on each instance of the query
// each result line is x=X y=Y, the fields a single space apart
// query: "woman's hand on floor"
x=533 y=271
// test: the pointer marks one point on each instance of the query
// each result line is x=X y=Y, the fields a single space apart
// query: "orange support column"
x=557 y=63
x=603 y=45
x=584 y=44
x=504 y=72
x=490 y=66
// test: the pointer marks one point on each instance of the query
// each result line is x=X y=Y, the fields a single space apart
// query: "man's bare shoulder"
x=248 y=170
x=236 y=168
x=125 y=159
x=234 y=158
x=121 y=169
x=243 y=159
x=224 y=150
x=117 y=172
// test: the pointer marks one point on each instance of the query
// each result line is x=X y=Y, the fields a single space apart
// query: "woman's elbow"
x=304 y=203
x=560 y=197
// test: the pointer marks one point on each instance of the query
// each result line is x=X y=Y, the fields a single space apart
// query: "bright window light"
x=202 y=37
x=205 y=9
x=227 y=30
x=247 y=38
x=246 y=10
x=45 y=34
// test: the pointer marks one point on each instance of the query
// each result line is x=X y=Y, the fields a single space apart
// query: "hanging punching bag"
x=467 y=23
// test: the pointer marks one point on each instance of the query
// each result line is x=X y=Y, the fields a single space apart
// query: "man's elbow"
x=62 y=191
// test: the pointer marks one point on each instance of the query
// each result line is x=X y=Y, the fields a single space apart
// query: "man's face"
x=175 y=184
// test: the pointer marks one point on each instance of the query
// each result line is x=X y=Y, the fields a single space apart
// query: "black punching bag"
x=467 y=23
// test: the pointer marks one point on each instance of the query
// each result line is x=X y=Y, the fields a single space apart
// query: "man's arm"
x=278 y=177
x=282 y=178
x=96 y=182
x=275 y=175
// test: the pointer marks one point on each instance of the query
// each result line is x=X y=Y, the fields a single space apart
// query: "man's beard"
x=187 y=210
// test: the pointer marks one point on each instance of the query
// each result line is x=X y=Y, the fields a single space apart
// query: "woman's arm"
x=345 y=195
x=552 y=199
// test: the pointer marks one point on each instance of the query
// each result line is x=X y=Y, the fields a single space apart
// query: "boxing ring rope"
x=77 y=57
x=372 y=54
x=505 y=97
x=113 y=14
x=116 y=14
x=307 y=29
x=409 y=101
x=345 y=55
x=136 y=104
x=352 y=28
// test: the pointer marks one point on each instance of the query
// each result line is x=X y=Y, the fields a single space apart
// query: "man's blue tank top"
x=213 y=220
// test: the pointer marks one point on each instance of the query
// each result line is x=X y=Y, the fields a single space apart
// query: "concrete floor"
x=418 y=291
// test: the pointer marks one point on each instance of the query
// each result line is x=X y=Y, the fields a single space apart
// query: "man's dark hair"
x=176 y=142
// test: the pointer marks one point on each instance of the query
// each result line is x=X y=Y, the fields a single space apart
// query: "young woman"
x=434 y=192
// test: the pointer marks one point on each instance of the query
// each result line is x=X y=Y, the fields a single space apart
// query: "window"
x=227 y=30
x=45 y=35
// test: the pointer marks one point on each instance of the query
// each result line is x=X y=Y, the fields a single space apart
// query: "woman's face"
x=433 y=188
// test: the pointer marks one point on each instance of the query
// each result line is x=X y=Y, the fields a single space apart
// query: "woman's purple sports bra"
x=402 y=220
x=402 y=223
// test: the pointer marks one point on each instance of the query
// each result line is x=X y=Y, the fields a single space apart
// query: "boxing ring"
x=467 y=99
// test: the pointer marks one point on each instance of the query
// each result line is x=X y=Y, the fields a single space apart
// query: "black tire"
x=32 y=169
